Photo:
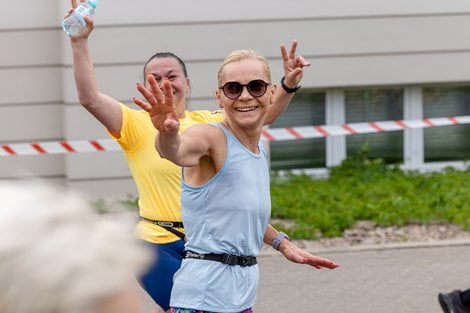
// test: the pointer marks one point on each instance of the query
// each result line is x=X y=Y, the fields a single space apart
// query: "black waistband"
x=225 y=258
x=168 y=225
x=164 y=223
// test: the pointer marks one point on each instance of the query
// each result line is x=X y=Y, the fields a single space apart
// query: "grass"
x=364 y=189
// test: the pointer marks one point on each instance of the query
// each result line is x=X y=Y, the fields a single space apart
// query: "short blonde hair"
x=240 y=55
x=57 y=255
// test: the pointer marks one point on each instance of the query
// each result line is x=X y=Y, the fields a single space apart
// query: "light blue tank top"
x=228 y=214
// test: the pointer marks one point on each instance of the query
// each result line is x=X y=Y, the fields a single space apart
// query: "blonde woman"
x=225 y=187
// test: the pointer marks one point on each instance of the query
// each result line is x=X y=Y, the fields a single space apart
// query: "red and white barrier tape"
x=59 y=147
x=303 y=132
x=269 y=134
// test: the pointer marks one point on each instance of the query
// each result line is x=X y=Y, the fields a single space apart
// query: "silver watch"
x=277 y=240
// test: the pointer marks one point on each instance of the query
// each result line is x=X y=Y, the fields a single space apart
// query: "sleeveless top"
x=229 y=214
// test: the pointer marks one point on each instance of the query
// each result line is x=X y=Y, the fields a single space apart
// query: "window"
x=306 y=108
x=367 y=105
x=448 y=142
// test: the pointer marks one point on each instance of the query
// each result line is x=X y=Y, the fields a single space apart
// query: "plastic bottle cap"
x=93 y=3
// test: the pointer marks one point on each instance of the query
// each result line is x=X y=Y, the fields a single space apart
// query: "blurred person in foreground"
x=56 y=256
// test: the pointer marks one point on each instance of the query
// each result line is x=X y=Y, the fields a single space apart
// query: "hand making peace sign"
x=293 y=65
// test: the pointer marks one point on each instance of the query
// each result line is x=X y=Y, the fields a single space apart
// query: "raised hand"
x=89 y=21
x=160 y=105
x=293 y=65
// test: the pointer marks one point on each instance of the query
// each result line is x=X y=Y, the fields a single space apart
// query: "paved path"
x=402 y=278
x=396 y=280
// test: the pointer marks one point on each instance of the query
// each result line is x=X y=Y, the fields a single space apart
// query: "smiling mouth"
x=246 y=109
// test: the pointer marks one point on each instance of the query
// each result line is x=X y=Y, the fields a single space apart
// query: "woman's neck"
x=247 y=137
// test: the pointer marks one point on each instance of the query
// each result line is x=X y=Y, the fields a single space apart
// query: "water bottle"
x=75 y=23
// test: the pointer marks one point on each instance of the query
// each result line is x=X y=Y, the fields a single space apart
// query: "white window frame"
x=413 y=139
x=335 y=114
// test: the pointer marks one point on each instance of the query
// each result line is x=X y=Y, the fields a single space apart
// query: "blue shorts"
x=158 y=280
x=181 y=310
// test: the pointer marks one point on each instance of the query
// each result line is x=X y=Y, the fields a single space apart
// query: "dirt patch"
x=368 y=233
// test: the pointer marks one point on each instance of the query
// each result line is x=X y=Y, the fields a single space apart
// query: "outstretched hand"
x=293 y=65
x=160 y=105
x=89 y=21
x=298 y=255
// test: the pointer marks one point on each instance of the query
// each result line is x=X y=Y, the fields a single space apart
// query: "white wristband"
x=277 y=240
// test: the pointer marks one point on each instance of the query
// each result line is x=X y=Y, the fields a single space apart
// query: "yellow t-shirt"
x=158 y=180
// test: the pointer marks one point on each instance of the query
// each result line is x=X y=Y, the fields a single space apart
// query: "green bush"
x=365 y=189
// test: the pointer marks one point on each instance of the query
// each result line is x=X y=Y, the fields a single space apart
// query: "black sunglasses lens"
x=257 y=88
x=232 y=90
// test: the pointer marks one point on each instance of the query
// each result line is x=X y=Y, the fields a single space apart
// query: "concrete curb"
x=268 y=251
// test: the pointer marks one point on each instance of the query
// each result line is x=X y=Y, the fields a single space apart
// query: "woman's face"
x=169 y=69
x=247 y=110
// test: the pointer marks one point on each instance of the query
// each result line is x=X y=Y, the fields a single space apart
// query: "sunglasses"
x=256 y=88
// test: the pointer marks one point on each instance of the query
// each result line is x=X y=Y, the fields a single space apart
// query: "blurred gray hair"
x=57 y=256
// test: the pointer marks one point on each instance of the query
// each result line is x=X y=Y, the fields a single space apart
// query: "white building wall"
x=349 y=43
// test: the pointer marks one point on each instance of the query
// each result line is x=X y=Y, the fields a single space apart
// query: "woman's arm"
x=188 y=148
x=104 y=108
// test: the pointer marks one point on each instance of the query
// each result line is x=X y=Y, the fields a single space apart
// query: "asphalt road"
x=398 y=280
